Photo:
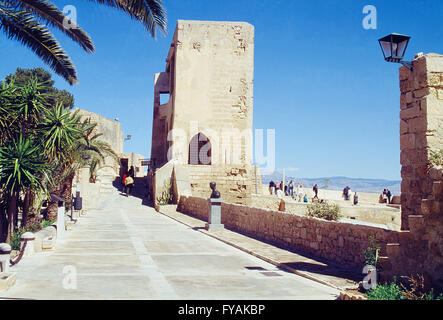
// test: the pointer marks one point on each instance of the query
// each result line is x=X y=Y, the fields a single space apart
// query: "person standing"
x=384 y=195
x=355 y=198
x=388 y=195
x=125 y=175
x=291 y=189
x=129 y=184
x=279 y=193
x=300 y=191
x=272 y=187
x=131 y=172
x=346 y=192
x=315 y=189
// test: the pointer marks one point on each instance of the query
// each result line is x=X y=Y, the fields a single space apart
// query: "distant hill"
x=338 y=183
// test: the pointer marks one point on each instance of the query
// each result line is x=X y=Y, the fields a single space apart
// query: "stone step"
x=393 y=249
x=437 y=189
x=416 y=222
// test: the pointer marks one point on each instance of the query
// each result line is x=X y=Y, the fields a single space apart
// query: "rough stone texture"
x=336 y=241
x=111 y=133
x=209 y=80
x=420 y=246
x=234 y=183
x=421 y=130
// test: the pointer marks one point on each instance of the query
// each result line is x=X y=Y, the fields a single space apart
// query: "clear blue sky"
x=320 y=79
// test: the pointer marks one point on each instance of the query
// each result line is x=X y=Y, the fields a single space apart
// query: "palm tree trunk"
x=12 y=209
x=67 y=190
x=26 y=205
x=3 y=225
x=52 y=208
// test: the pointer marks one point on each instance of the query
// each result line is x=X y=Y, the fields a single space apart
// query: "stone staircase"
x=106 y=177
x=410 y=252
x=106 y=184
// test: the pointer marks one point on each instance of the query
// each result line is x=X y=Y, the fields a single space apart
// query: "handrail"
x=20 y=256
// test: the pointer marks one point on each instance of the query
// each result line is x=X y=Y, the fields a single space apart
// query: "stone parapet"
x=340 y=242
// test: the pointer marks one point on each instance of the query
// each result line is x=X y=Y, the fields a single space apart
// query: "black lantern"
x=394 y=47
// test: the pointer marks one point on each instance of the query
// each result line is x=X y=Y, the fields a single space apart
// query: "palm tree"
x=67 y=141
x=7 y=97
x=89 y=151
x=22 y=168
x=26 y=20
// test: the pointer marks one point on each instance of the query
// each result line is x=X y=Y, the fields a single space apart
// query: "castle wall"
x=209 y=77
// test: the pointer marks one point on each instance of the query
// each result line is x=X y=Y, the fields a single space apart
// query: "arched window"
x=200 y=150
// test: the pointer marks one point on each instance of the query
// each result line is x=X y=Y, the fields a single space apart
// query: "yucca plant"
x=26 y=21
x=22 y=167
x=68 y=140
x=59 y=131
x=7 y=96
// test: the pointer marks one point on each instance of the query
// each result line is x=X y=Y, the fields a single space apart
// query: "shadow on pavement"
x=140 y=190
x=328 y=270
x=322 y=267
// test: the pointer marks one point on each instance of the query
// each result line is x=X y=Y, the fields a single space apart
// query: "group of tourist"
x=128 y=181
x=296 y=192
x=386 y=195
x=288 y=190
x=347 y=195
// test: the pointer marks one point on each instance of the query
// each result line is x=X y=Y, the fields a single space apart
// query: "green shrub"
x=371 y=252
x=324 y=210
x=15 y=239
x=46 y=223
x=385 y=291
x=436 y=158
x=33 y=227
x=166 y=195
x=393 y=291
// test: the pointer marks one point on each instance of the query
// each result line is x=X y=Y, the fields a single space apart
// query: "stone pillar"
x=421 y=131
x=29 y=237
x=61 y=222
x=214 y=216
x=5 y=252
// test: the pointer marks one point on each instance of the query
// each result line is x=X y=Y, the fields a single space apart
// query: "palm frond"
x=52 y=16
x=149 y=12
x=22 y=26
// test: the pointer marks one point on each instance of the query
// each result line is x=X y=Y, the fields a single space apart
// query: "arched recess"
x=200 y=150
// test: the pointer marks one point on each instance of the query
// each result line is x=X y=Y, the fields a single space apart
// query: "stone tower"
x=203 y=132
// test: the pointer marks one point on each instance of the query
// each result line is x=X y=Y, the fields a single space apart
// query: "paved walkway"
x=124 y=250
x=322 y=271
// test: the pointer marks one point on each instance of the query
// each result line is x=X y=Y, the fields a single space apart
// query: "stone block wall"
x=420 y=248
x=421 y=130
x=235 y=183
x=339 y=242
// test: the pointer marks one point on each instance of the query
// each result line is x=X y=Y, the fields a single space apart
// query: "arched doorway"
x=200 y=150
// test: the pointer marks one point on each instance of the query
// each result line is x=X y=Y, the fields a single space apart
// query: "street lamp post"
x=393 y=47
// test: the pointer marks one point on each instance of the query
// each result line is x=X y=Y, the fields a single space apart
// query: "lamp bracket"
x=407 y=64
